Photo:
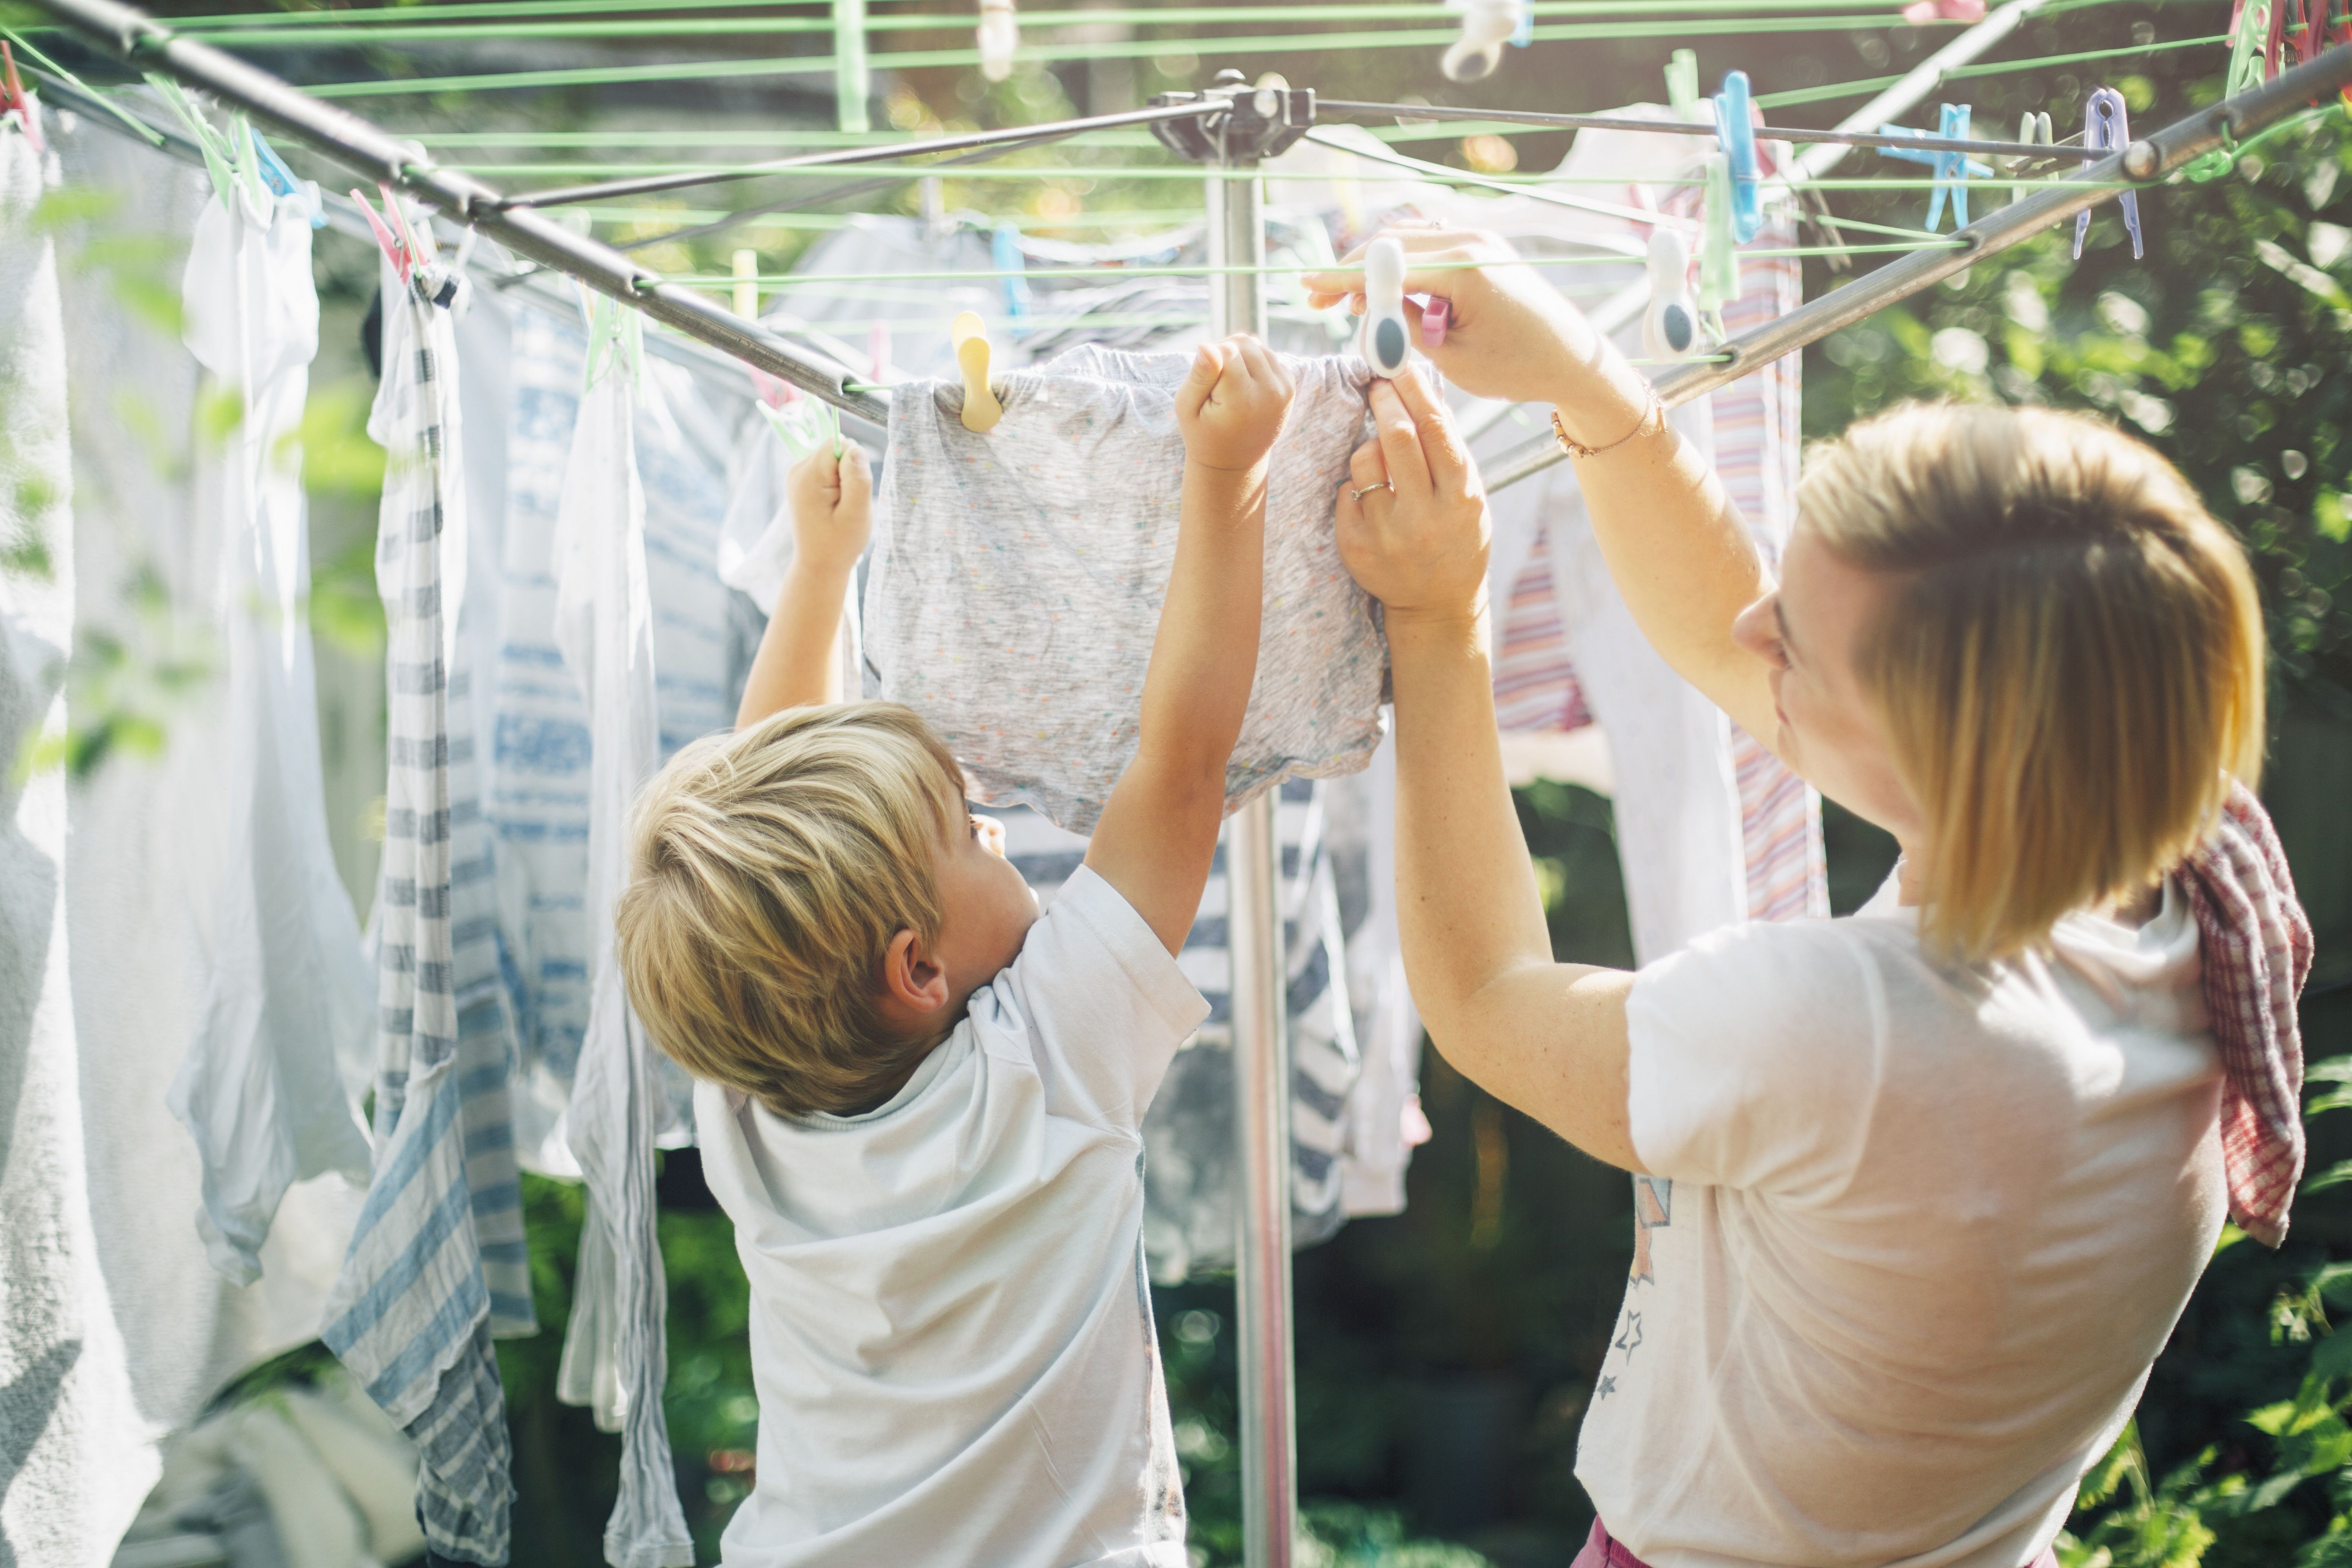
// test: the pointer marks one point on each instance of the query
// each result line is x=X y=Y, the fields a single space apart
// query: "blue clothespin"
x=1005 y=249
x=1524 y=34
x=1735 y=128
x=281 y=179
x=1952 y=169
x=2106 y=126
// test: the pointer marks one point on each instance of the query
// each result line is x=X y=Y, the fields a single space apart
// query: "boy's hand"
x=1232 y=405
x=832 y=507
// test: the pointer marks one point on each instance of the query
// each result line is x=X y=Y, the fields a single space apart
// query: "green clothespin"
x=806 y=425
x=1682 y=89
x=2247 y=65
x=609 y=328
x=1719 y=253
x=208 y=140
x=246 y=159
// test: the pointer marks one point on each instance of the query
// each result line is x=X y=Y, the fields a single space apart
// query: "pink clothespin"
x=1923 y=12
x=15 y=99
x=877 y=350
x=394 y=249
x=1434 y=316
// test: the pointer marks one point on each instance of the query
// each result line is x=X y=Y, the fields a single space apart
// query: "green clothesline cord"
x=1997 y=67
x=271 y=34
x=971 y=275
x=825 y=222
x=1246 y=47
x=302 y=21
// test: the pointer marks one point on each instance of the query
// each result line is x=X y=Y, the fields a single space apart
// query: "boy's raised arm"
x=1159 y=830
x=799 y=661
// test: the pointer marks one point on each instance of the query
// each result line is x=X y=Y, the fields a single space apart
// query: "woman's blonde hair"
x=769 y=870
x=2070 y=668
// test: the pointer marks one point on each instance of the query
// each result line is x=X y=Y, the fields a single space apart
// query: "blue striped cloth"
x=413 y=1309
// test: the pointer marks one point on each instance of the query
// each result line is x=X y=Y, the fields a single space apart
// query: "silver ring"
x=1388 y=485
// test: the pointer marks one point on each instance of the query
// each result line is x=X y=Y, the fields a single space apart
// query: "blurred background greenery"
x=1444 y=1355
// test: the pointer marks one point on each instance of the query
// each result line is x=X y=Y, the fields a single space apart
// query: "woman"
x=1919 y=1192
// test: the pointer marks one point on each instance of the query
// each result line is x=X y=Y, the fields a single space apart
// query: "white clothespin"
x=1486 y=26
x=981 y=408
x=1000 y=35
x=1384 y=339
x=1670 y=326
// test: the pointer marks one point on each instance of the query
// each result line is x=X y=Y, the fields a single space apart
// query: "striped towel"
x=412 y=1314
x=2254 y=945
x=1187 y=1136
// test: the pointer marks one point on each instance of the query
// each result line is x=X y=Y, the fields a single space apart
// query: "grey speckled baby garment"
x=1018 y=576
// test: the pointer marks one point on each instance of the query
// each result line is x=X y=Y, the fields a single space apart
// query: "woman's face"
x=1808 y=630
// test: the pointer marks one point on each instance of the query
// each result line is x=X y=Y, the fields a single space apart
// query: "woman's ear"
x=913 y=987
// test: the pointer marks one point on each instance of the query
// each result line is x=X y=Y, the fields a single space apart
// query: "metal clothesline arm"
x=2142 y=162
x=131 y=35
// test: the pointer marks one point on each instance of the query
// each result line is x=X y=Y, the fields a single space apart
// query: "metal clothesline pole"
x=1260 y=1054
x=2144 y=163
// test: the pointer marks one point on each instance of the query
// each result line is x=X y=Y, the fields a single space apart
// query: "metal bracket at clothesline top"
x=1256 y=123
x=2142 y=162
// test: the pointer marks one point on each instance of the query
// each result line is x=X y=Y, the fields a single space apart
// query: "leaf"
x=2336 y=1175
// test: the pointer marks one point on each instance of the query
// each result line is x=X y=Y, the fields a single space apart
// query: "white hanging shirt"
x=1913 y=1235
x=952 y=1332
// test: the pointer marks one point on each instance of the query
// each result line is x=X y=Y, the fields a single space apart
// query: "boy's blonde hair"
x=768 y=871
x=2070 y=668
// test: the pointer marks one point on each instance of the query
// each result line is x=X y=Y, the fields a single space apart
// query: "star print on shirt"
x=1608 y=1386
x=1631 y=1339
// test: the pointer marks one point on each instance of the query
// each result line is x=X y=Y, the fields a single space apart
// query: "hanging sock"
x=1951 y=169
x=603 y=625
x=2106 y=127
x=999 y=35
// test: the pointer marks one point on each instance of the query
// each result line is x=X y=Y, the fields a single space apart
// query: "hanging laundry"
x=1036 y=554
x=269 y=1089
x=604 y=625
x=1188 y=1135
x=1384 y=1122
x=412 y=1314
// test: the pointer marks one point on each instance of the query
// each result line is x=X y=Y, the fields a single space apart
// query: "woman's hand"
x=1508 y=335
x=1412 y=517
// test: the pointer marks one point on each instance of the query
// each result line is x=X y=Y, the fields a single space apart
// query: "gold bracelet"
x=1576 y=449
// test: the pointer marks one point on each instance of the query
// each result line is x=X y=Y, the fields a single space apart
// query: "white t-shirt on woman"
x=1913 y=1234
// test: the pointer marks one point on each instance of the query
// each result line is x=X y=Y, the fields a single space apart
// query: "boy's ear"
x=913 y=987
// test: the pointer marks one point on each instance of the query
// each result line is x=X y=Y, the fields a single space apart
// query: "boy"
x=922 y=1103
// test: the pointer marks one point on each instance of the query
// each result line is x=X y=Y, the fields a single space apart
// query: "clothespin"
x=245 y=161
x=2249 y=36
x=1384 y=339
x=1734 y=129
x=1682 y=88
x=1922 y=12
x=1670 y=326
x=395 y=250
x=1486 y=26
x=208 y=140
x=610 y=327
x=1005 y=249
x=1952 y=169
x=877 y=352
x=2034 y=128
x=1718 y=251
x=804 y=424
x=998 y=37
x=15 y=100
x=2106 y=126
x=981 y=408
x=746 y=264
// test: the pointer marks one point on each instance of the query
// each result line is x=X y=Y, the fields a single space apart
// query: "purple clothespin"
x=2107 y=127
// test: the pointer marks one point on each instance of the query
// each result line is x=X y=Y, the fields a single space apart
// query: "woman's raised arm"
x=1677 y=548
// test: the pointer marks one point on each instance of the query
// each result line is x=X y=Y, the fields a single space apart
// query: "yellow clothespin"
x=981 y=408
x=746 y=284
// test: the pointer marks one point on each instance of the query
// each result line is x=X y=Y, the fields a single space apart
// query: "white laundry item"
x=413 y=1309
x=74 y=1455
x=1014 y=590
x=143 y=864
x=271 y=1087
x=1188 y=1137
x=603 y=624
x=704 y=637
